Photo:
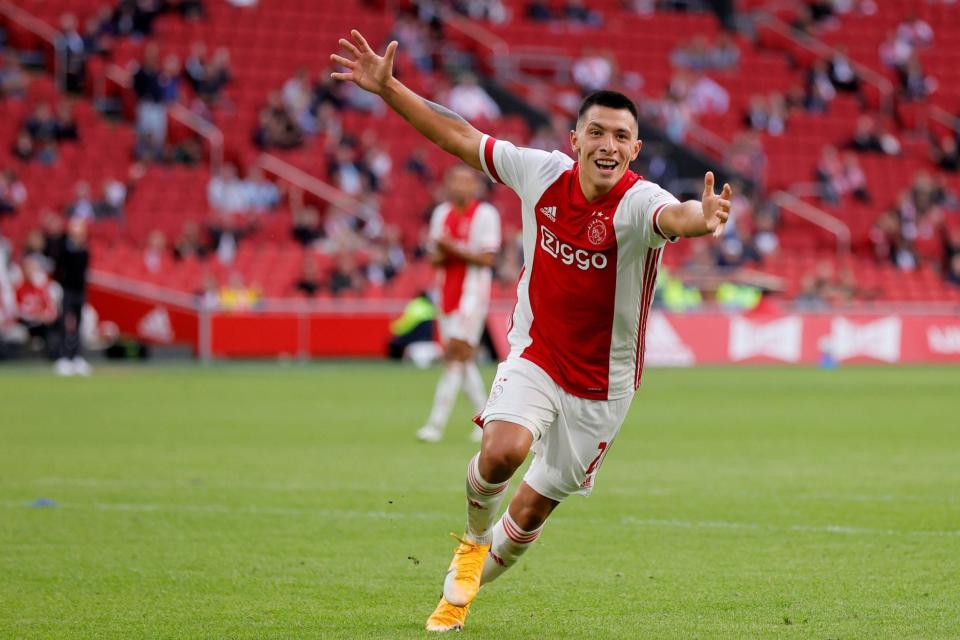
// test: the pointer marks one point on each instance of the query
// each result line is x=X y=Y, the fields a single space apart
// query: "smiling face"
x=606 y=143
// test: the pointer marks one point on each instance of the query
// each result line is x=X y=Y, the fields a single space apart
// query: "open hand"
x=365 y=68
x=716 y=209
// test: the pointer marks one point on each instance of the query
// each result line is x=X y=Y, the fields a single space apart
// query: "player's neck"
x=593 y=191
x=461 y=206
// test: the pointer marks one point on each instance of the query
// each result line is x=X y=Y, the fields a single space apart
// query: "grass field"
x=261 y=501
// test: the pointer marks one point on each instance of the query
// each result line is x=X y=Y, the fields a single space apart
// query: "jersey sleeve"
x=486 y=231
x=645 y=208
x=436 y=222
x=516 y=167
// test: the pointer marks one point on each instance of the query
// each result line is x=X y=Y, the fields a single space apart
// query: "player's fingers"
x=708 y=184
x=727 y=191
x=342 y=76
x=719 y=230
x=361 y=41
x=391 y=52
x=343 y=62
x=724 y=204
x=346 y=44
x=722 y=216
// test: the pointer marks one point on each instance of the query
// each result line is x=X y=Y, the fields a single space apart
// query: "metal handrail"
x=815 y=216
x=44 y=31
x=312 y=184
x=181 y=114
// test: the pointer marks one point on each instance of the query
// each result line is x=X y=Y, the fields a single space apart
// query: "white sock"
x=446 y=395
x=483 y=502
x=509 y=543
x=473 y=386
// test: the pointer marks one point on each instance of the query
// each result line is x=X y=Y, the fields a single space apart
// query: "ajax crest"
x=596 y=231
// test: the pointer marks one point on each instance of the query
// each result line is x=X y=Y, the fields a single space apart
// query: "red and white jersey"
x=476 y=227
x=589 y=270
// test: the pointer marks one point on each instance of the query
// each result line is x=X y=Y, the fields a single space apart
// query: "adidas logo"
x=156 y=326
x=549 y=212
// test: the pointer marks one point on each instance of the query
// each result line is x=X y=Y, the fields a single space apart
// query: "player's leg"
x=516 y=531
x=503 y=450
x=448 y=386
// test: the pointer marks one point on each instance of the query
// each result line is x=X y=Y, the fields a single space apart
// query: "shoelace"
x=469 y=563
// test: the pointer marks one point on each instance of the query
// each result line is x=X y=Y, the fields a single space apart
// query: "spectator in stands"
x=36 y=301
x=72 y=46
x=13 y=193
x=491 y=10
x=820 y=91
x=195 y=65
x=23 y=147
x=65 y=124
x=695 y=55
x=539 y=11
x=226 y=231
x=41 y=124
x=946 y=154
x=842 y=74
x=94 y=32
x=328 y=91
x=308 y=283
x=914 y=83
x=189 y=9
x=871 y=136
x=237 y=296
x=262 y=194
x=219 y=75
x=152 y=89
x=189 y=244
x=593 y=71
x=297 y=99
x=306 y=228
x=578 y=12
x=470 y=100
x=346 y=275
x=73 y=260
x=155 y=253
x=113 y=197
x=13 y=81
x=344 y=171
x=418 y=165
x=226 y=192
x=82 y=206
x=276 y=128
x=854 y=180
x=746 y=156
x=33 y=247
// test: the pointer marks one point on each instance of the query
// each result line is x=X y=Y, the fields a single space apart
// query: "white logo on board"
x=156 y=325
x=665 y=347
x=879 y=339
x=944 y=339
x=780 y=339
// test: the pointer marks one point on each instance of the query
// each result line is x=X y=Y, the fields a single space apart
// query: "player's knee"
x=529 y=516
x=498 y=460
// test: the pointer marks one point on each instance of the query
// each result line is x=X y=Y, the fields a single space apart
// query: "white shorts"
x=571 y=435
x=458 y=325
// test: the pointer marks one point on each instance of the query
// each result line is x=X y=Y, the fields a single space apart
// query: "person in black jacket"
x=72 y=264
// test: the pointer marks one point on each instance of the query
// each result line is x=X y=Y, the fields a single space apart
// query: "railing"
x=815 y=216
x=207 y=130
x=42 y=30
x=311 y=184
x=825 y=51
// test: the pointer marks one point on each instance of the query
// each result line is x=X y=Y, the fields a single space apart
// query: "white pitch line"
x=427 y=515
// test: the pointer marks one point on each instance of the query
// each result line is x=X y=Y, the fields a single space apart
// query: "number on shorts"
x=596 y=461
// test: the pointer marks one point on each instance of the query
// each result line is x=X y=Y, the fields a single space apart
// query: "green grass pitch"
x=268 y=501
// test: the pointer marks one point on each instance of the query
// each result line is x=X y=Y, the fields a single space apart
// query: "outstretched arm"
x=438 y=124
x=692 y=218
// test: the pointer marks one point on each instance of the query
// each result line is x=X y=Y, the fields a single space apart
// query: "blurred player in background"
x=465 y=239
x=593 y=237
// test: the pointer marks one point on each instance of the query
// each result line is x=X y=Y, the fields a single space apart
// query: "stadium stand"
x=697 y=81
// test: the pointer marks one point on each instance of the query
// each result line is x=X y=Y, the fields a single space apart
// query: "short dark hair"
x=611 y=99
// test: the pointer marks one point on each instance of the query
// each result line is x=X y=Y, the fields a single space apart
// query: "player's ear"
x=636 y=150
x=574 y=142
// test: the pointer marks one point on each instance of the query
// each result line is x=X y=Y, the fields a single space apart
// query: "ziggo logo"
x=568 y=255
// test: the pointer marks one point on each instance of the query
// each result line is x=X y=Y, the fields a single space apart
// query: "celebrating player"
x=593 y=237
x=465 y=238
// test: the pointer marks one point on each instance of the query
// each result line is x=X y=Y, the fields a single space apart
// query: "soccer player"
x=593 y=236
x=465 y=239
